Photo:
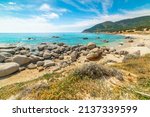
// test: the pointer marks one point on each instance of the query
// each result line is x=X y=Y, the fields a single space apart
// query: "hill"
x=137 y=24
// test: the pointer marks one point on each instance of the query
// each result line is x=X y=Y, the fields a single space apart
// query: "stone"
x=11 y=51
x=74 y=56
x=40 y=63
x=21 y=59
x=31 y=66
x=2 y=58
x=141 y=45
x=5 y=54
x=24 y=52
x=47 y=55
x=94 y=54
x=48 y=63
x=131 y=41
x=123 y=52
x=22 y=68
x=7 y=46
x=34 y=58
x=42 y=47
x=8 y=68
x=8 y=60
x=91 y=45
x=61 y=57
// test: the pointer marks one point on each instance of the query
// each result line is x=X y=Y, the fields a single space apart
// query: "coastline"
x=108 y=58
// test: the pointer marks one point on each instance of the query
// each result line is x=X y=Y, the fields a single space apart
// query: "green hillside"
x=139 y=23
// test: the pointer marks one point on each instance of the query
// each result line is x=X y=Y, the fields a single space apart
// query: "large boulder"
x=42 y=47
x=94 y=54
x=11 y=51
x=21 y=60
x=7 y=46
x=8 y=68
x=91 y=45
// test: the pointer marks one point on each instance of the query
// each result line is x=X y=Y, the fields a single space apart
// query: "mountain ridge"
x=138 y=23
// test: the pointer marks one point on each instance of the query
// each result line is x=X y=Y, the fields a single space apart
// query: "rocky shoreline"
x=56 y=56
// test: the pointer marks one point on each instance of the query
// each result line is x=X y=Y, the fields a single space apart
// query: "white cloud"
x=41 y=24
x=45 y=7
x=106 y=4
x=10 y=7
x=51 y=16
x=11 y=3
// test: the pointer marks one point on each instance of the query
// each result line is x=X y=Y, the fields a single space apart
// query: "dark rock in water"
x=60 y=44
x=98 y=38
x=128 y=37
x=85 y=38
x=105 y=41
x=55 y=37
x=30 y=38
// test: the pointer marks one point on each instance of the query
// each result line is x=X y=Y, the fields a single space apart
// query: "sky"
x=42 y=16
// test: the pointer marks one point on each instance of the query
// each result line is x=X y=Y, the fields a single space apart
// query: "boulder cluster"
x=46 y=55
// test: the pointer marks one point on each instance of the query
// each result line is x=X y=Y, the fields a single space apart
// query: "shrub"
x=95 y=71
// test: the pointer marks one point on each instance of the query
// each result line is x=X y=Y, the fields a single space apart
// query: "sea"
x=67 y=38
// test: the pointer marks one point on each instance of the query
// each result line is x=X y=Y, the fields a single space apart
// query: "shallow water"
x=67 y=38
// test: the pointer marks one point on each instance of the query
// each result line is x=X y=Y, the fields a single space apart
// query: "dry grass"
x=88 y=82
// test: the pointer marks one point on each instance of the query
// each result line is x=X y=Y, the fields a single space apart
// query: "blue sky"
x=65 y=15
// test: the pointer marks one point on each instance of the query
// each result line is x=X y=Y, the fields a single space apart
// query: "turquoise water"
x=67 y=38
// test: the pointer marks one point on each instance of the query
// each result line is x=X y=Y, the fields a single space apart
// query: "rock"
x=7 y=46
x=34 y=58
x=85 y=38
x=141 y=45
x=60 y=44
x=63 y=64
x=8 y=68
x=123 y=52
x=105 y=41
x=11 y=51
x=121 y=43
x=21 y=60
x=40 y=69
x=61 y=57
x=84 y=53
x=2 y=58
x=40 y=63
x=91 y=45
x=5 y=54
x=31 y=66
x=131 y=41
x=8 y=60
x=74 y=56
x=24 y=52
x=47 y=55
x=42 y=47
x=48 y=63
x=94 y=54
x=22 y=68
x=55 y=37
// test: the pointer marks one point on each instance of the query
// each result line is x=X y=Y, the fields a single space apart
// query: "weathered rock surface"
x=91 y=45
x=21 y=59
x=8 y=68
x=48 y=63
